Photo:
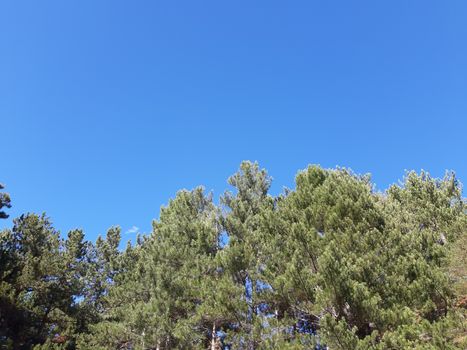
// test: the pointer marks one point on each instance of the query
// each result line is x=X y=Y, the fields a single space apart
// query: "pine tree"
x=330 y=263
x=157 y=302
x=383 y=266
x=37 y=285
x=358 y=267
x=181 y=253
x=240 y=258
x=5 y=202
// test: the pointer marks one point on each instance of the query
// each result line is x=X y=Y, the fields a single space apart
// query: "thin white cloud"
x=132 y=229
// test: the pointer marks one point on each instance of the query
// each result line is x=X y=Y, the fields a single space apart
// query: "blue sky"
x=107 y=108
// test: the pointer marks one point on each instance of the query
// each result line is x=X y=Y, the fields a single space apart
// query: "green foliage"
x=331 y=262
x=5 y=202
x=239 y=260
x=39 y=281
x=156 y=302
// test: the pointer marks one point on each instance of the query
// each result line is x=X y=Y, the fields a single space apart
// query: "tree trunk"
x=214 y=338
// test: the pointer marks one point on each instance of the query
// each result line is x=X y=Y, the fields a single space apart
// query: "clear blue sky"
x=107 y=108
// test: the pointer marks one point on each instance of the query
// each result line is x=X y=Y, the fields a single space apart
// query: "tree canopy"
x=4 y=202
x=330 y=264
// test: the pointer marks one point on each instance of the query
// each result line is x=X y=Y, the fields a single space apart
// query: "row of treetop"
x=330 y=264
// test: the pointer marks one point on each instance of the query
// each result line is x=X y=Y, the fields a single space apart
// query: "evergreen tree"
x=240 y=258
x=38 y=283
x=5 y=202
x=330 y=264
x=102 y=268
x=358 y=267
x=156 y=303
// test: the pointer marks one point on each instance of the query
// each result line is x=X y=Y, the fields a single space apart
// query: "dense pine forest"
x=330 y=264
